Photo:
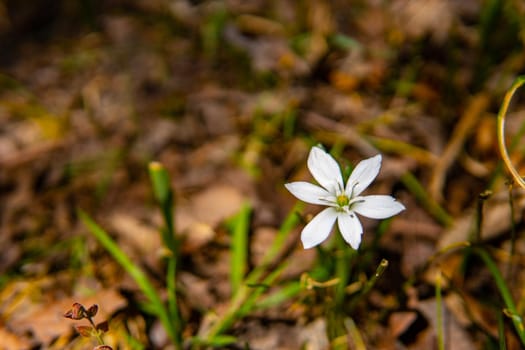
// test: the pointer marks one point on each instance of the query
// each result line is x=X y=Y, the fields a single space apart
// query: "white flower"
x=343 y=201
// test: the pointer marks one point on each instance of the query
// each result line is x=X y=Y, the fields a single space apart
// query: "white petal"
x=377 y=207
x=308 y=192
x=319 y=228
x=325 y=169
x=350 y=228
x=362 y=176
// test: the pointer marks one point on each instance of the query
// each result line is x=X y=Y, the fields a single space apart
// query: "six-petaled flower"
x=343 y=202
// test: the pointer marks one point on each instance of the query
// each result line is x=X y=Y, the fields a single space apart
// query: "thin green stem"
x=343 y=264
x=479 y=215
x=380 y=270
x=173 y=310
x=95 y=331
x=439 y=315
x=501 y=332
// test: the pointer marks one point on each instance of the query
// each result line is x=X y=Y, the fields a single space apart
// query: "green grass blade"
x=162 y=192
x=255 y=293
x=240 y=225
x=245 y=295
x=289 y=223
x=512 y=311
x=413 y=185
x=285 y=293
x=134 y=271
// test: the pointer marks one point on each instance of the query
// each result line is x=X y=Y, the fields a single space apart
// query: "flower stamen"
x=353 y=188
x=342 y=200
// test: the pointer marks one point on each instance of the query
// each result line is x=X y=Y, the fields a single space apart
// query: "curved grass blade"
x=511 y=309
x=156 y=304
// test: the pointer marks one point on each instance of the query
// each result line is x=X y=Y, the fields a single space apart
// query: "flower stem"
x=95 y=331
x=439 y=314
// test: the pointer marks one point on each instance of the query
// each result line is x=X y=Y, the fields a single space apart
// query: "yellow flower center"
x=342 y=200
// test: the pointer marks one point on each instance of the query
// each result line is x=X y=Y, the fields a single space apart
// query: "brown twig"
x=468 y=120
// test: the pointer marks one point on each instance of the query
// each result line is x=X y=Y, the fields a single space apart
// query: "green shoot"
x=164 y=195
x=285 y=293
x=160 y=182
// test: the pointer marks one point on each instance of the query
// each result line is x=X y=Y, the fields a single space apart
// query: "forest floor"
x=230 y=96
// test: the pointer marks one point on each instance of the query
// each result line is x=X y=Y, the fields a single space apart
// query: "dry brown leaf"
x=399 y=322
x=273 y=335
x=261 y=240
x=417 y=18
x=446 y=266
x=11 y=341
x=320 y=17
x=485 y=140
x=46 y=321
x=454 y=335
x=300 y=261
x=209 y=207
x=354 y=68
x=143 y=239
x=313 y=335
x=257 y=25
x=268 y=54
x=197 y=290
x=416 y=255
x=468 y=310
